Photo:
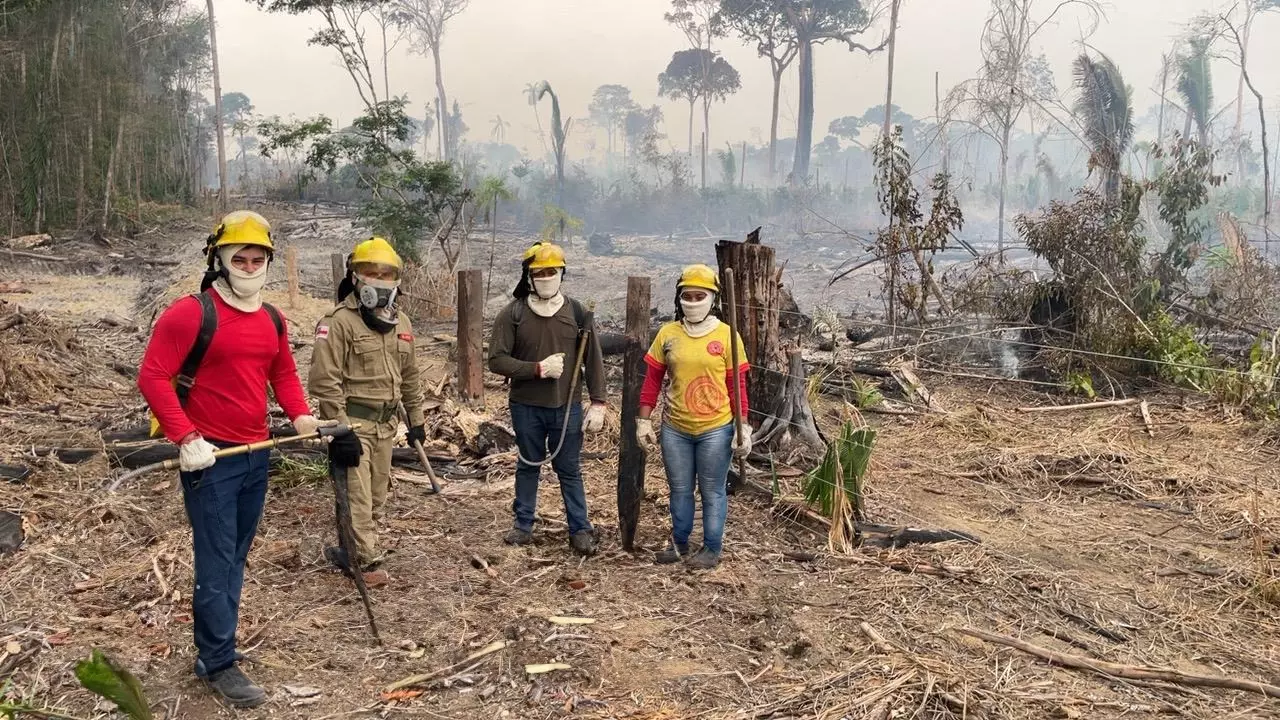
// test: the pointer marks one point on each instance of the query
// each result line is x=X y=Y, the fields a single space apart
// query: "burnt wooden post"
x=756 y=288
x=470 y=327
x=339 y=265
x=291 y=267
x=631 y=457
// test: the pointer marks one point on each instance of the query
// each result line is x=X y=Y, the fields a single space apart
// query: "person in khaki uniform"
x=362 y=367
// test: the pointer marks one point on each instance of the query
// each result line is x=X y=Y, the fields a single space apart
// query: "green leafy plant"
x=558 y=225
x=1178 y=356
x=835 y=487
x=103 y=677
x=864 y=394
x=1081 y=383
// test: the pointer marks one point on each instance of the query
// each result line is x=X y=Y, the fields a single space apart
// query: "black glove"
x=417 y=434
x=345 y=450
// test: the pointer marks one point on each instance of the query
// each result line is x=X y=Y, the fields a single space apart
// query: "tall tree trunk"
x=440 y=121
x=1164 y=87
x=386 y=78
x=446 y=132
x=706 y=121
x=778 y=69
x=111 y=176
x=217 y=115
x=1004 y=182
x=691 y=102
x=888 y=92
x=804 y=122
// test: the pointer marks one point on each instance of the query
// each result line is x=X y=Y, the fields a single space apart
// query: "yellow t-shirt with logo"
x=698 y=394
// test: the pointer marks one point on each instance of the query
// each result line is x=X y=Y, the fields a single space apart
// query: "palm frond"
x=1104 y=106
x=1195 y=82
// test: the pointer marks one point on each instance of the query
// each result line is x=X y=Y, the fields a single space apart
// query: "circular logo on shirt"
x=705 y=398
x=715 y=347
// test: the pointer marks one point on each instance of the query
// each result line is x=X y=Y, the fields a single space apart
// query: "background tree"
x=559 y=134
x=492 y=190
x=531 y=94
x=1014 y=75
x=764 y=23
x=1195 y=86
x=639 y=127
x=1104 y=108
x=101 y=108
x=696 y=19
x=217 y=101
x=815 y=22
x=425 y=20
x=237 y=113
x=500 y=127
x=683 y=80
x=609 y=108
x=850 y=127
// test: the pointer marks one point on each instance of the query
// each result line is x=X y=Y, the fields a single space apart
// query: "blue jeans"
x=224 y=504
x=537 y=433
x=704 y=458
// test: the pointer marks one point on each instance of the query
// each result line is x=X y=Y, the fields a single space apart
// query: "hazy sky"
x=496 y=47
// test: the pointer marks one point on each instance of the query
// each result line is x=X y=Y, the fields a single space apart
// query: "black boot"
x=236 y=689
x=337 y=557
x=583 y=543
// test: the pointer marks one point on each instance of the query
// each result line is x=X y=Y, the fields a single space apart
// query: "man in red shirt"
x=224 y=403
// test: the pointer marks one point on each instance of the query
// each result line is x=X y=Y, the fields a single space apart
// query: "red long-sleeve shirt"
x=228 y=401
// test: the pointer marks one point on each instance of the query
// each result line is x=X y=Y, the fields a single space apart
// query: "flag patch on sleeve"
x=322 y=332
x=407 y=337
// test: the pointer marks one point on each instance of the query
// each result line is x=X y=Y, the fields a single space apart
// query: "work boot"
x=516 y=536
x=583 y=543
x=236 y=689
x=373 y=573
x=704 y=559
x=672 y=553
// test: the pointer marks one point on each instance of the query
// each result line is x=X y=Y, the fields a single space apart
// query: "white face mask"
x=244 y=284
x=696 y=312
x=547 y=288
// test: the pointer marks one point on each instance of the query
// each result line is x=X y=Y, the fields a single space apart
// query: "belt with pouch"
x=385 y=413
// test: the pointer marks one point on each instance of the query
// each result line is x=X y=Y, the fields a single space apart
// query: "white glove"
x=594 y=420
x=644 y=434
x=196 y=455
x=308 y=424
x=742 y=441
x=552 y=368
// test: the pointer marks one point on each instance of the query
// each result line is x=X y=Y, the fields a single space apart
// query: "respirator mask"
x=377 y=294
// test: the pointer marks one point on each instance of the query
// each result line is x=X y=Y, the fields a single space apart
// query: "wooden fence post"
x=339 y=265
x=631 y=457
x=291 y=268
x=470 y=327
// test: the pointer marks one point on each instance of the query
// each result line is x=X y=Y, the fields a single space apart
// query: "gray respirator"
x=376 y=294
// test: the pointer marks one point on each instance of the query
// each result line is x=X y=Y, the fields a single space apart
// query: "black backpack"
x=186 y=376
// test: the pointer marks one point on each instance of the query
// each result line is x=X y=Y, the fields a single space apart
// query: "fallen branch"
x=1145 y=409
x=33 y=256
x=11 y=321
x=1128 y=672
x=1082 y=406
x=412 y=680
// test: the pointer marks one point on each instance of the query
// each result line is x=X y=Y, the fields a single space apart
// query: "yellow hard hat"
x=544 y=255
x=376 y=250
x=242 y=227
x=699 y=276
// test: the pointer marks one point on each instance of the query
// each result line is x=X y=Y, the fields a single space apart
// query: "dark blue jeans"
x=701 y=461
x=224 y=504
x=537 y=433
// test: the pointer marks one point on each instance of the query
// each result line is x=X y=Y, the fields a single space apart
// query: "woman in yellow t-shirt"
x=698 y=438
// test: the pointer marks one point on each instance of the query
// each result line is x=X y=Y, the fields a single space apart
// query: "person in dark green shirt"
x=534 y=343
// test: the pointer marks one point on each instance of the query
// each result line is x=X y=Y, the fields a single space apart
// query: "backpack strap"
x=518 y=308
x=208 y=325
x=276 y=320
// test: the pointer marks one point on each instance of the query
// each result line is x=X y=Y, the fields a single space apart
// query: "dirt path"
x=1099 y=539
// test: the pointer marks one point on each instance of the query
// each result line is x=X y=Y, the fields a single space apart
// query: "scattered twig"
x=1145 y=409
x=1082 y=406
x=412 y=680
x=1129 y=672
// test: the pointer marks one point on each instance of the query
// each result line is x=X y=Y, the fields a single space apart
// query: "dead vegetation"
x=1121 y=541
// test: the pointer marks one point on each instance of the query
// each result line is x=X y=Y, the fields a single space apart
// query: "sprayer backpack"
x=186 y=377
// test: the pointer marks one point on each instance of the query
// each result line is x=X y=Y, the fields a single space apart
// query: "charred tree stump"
x=631 y=457
x=470 y=326
x=776 y=385
x=338 y=265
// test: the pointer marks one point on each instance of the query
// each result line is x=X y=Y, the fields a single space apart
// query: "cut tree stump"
x=631 y=457
x=776 y=385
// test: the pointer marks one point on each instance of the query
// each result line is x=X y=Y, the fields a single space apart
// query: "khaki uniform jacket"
x=351 y=362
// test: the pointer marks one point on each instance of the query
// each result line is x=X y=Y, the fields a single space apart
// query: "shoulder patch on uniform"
x=407 y=337
x=322 y=332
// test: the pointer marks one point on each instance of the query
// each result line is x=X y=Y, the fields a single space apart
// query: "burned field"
x=1124 y=567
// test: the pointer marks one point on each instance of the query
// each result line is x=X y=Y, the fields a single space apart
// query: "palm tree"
x=531 y=94
x=499 y=133
x=489 y=193
x=559 y=131
x=1195 y=85
x=1104 y=107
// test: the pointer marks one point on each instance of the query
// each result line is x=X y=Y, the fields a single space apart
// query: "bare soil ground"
x=1101 y=538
